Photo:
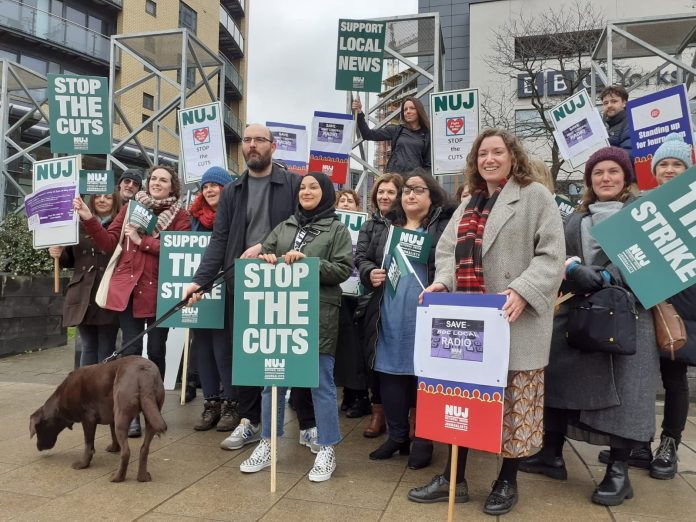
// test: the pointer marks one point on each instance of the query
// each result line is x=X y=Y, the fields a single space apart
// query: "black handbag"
x=604 y=321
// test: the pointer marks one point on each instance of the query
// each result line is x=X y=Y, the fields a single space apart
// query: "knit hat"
x=673 y=147
x=134 y=174
x=615 y=154
x=216 y=175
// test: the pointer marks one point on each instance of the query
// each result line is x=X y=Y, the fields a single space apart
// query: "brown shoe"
x=377 y=424
x=209 y=417
x=229 y=416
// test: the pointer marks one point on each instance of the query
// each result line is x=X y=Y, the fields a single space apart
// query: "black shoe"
x=134 y=430
x=437 y=490
x=387 y=450
x=190 y=392
x=664 y=466
x=421 y=454
x=553 y=467
x=501 y=499
x=639 y=458
x=359 y=408
x=615 y=486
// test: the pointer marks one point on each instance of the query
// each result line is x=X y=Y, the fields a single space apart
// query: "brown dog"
x=111 y=393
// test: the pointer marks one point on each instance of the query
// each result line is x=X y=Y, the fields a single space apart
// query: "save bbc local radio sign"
x=360 y=55
x=79 y=114
x=276 y=323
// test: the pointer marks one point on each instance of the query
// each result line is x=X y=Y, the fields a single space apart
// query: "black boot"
x=615 y=487
x=502 y=498
x=639 y=458
x=359 y=408
x=664 y=466
x=421 y=453
x=437 y=490
x=543 y=464
x=387 y=450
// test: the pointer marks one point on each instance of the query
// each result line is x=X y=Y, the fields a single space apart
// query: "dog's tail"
x=152 y=413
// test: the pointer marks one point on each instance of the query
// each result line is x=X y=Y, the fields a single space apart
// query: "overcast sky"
x=291 y=53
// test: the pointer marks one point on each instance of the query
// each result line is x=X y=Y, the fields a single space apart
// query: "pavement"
x=193 y=479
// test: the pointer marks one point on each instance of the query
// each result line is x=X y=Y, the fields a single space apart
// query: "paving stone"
x=293 y=510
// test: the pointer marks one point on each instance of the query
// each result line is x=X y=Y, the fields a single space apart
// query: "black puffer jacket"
x=685 y=304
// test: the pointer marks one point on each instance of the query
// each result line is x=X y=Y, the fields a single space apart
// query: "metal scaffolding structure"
x=180 y=64
x=408 y=37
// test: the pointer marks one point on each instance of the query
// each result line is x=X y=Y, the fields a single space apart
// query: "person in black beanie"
x=129 y=184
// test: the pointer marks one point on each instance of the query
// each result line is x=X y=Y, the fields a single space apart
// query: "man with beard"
x=249 y=208
x=130 y=182
x=614 y=100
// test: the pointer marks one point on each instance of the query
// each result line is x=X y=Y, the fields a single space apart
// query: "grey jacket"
x=523 y=249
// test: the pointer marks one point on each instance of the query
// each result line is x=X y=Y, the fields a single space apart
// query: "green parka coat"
x=329 y=240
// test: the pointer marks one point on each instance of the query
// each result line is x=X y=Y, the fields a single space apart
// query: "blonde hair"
x=542 y=174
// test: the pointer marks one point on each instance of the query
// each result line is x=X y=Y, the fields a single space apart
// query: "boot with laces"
x=324 y=464
x=664 y=466
x=259 y=459
x=229 y=416
x=210 y=416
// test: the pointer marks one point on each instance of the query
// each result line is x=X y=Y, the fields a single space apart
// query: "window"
x=145 y=118
x=151 y=7
x=148 y=101
x=190 y=77
x=187 y=17
x=528 y=123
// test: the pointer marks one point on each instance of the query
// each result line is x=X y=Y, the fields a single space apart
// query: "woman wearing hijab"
x=313 y=231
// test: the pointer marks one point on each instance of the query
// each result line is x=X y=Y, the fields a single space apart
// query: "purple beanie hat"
x=615 y=154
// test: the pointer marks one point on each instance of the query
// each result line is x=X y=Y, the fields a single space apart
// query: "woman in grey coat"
x=598 y=397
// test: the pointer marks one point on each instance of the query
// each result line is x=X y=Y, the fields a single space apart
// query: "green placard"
x=653 y=240
x=141 y=216
x=565 y=206
x=276 y=323
x=79 y=114
x=398 y=268
x=360 y=55
x=96 y=181
x=180 y=255
x=416 y=245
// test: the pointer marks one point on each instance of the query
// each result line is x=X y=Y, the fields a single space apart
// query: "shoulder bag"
x=604 y=321
x=103 y=290
x=670 y=332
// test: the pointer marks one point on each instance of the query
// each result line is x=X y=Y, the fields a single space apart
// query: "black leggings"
x=676 y=397
x=398 y=396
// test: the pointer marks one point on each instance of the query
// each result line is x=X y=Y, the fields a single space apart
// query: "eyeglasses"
x=256 y=140
x=418 y=191
x=129 y=182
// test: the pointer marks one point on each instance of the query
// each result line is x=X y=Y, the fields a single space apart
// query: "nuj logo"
x=412 y=239
x=327 y=169
x=274 y=363
x=456 y=411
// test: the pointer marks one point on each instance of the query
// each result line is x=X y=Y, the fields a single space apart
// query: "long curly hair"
x=520 y=170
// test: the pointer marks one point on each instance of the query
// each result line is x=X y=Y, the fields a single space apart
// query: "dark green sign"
x=141 y=216
x=565 y=206
x=415 y=245
x=360 y=55
x=96 y=181
x=276 y=323
x=653 y=240
x=180 y=255
x=79 y=114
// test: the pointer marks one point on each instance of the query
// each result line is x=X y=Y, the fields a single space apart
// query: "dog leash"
x=204 y=289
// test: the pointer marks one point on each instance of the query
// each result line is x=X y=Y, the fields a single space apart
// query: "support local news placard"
x=180 y=255
x=276 y=323
x=455 y=125
x=653 y=240
x=360 y=55
x=651 y=119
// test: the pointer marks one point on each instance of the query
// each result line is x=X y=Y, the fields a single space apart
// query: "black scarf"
x=326 y=206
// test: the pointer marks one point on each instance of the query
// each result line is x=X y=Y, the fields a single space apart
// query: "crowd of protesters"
x=501 y=233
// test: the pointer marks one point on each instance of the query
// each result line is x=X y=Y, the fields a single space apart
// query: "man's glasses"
x=418 y=191
x=256 y=140
x=130 y=182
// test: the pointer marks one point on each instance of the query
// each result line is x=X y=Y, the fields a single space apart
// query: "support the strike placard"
x=651 y=119
x=454 y=127
x=462 y=347
x=353 y=222
x=276 y=323
x=579 y=128
x=202 y=140
x=360 y=55
x=291 y=145
x=653 y=240
x=56 y=179
x=180 y=255
x=331 y=143
x=79 y=114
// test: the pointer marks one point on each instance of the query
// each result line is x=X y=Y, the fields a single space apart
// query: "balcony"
x=231 y=39
x=232 y=123
x=234 y=86
x=44 y=27
x=234 y=7
x=118 y=4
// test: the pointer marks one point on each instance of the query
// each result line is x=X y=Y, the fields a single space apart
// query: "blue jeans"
x=98 y=342
x=325 y=408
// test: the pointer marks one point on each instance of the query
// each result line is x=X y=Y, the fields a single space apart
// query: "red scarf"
x=470 y=240
x=203 y=212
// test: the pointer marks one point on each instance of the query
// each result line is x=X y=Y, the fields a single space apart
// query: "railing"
x=232 y=120
x=228 y=23
x=232 y=74
x=52 y=28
